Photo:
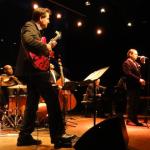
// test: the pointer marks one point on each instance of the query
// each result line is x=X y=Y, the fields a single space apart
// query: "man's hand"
x=53 y=43
x=49 y=47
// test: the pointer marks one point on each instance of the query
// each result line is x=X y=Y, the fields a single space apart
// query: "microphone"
x=140 y=57
x=143 y=59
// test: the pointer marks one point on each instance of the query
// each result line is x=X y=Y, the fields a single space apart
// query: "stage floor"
x=139 y=137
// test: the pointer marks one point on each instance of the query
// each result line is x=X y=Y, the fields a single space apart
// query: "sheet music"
x=96 y=74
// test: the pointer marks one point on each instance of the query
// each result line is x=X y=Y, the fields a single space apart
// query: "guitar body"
x=41 y=62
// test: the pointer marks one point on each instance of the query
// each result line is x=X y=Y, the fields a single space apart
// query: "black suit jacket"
x=132 y=73
x=30 y=41
x=98 y=90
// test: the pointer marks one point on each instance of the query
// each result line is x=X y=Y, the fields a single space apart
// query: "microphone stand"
x=147 y=93
x=95 y=102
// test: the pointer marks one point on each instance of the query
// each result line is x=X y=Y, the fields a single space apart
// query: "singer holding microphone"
x=134 y=82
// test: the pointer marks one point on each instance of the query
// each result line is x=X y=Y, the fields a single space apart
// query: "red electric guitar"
x=42 y=62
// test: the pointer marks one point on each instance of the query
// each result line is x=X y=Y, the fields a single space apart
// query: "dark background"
x=81 y=51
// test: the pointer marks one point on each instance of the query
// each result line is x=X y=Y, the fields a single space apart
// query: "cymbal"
x=19 y=86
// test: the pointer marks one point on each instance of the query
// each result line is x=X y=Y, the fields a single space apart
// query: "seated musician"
x=97 y=94
x=7 y=79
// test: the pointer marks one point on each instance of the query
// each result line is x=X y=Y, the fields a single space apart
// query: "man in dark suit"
x=54 y=75
x=134 y=83
x=94 y=93
x=38 y=83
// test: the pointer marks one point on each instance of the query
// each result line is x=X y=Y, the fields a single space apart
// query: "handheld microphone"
x=143 y=59
x=140 y=57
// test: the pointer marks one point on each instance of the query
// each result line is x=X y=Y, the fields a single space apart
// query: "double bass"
x=66 y=98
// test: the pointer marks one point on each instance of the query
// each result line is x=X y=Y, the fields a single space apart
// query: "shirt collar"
x=38 y=26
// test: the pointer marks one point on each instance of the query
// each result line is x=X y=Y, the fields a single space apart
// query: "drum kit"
x=12 y=112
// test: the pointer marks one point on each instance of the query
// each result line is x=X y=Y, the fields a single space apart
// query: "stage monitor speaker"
x=108 y=134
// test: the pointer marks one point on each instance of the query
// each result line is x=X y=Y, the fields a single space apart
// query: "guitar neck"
x=58 y=36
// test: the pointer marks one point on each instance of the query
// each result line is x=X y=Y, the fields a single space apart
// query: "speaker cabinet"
x=108 y=134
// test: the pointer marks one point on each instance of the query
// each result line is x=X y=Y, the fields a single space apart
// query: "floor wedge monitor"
x=108 y=134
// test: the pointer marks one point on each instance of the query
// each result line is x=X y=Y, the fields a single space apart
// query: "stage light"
x=129 y=24
x=2 y=40
x=79 y=23
x=102 y=10
x=98 y=31
x=58 y=15
x=87 y=3
x=35 y=5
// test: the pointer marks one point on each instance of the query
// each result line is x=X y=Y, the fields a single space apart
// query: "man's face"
x=9 y=71
x=44 y=21
x=134 y=55
x=52 y=66
x=97 y=82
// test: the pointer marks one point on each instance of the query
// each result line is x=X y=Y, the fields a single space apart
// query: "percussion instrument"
x=21 y=103
x=17 y=90
x=17 y=99
x=42 y=115
x=17 y=104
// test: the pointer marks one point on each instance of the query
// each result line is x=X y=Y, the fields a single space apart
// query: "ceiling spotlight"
x=87 y=3
x=35 y=5
x=58 y=16
x=98 y=31
x=102 y=10
x=129 y=24
x=2 y=40
x=79 y=24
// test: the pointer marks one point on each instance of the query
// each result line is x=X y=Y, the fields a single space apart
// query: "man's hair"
x=6 y=67
x=40 y=12
x=130 y=51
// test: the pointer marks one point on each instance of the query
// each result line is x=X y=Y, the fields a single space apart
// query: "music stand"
x=96 y=74
x=92 y=77
x=70 y=86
